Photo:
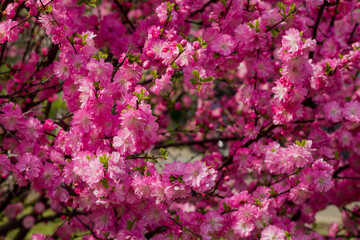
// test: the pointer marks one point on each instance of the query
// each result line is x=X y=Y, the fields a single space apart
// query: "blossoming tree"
x=94 y=92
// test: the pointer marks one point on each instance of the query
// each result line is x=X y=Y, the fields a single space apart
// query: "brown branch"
x=315 y=28
x=352 y=33
x=182 y=227
x=124 y=14
x=119 y=65
x=202 y=9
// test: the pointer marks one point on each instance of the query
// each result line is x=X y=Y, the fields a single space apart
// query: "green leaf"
x=257 y=202
x=224 y=3
x=105 y=182
x=288 y=235
x=328 y=69
x=172 y=178
x=251 y=25
x=226 y=207
x=208 y=79
x=196 y=74
x=130 y=224
x=216 y=55
x=180 y=47
x=195 y=57
x=173 y=65
x=274 y=32
x=292 y=7
x=213 y=20
x=154 y=74
x=104 y=160
x=164 y=153
x=193 y=81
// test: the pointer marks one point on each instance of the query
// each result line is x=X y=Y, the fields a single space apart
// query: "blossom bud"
x=28 y=100
x=227 y=178
x=33 y=11
x=44 y=51
x=150 y=54
x=27 y=25
x=196 y=45
x=165 y=49
x=39 y=207
x=170 y=71
x=178 y=106
x=183 y=42
x=28 y=222
x=49 y=125
x=78 y=40
x=146 y=65
x=63 y=217
x=171 y=37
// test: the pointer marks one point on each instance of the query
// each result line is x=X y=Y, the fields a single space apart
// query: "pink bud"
x=183 y=42
x=28 y=222
x=196 y=45
x=231 y=167
x=165 y=49
x=227 y=178
x=33 y=11
x=170 y=71
x=28 y=100
x=39 y=207
x=63 y=217
x=44 y=51
x=171 y=37
x=78 y=40
x=26 y=25
x=150 y=54
x=178 y=106
x=146 y=65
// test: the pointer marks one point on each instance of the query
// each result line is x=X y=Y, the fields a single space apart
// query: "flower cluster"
x=97 y=96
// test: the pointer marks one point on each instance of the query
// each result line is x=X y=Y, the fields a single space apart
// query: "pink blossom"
x=333 y=111
x=291 y=41
x=11 y=116
x=351 y=111
x=272 y=232
x=223 y=44
x=30 y=165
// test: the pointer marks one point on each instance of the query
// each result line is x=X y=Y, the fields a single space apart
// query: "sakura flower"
x=291 y=41
x=351 y=111
x=11 y=116
x=195 y=174
x=162 y=12
x=100 y=71
x=223 y=44
x=243 y=228
x=333 y=111
x=61 y=70
x=272 y=232
x=30 y=165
